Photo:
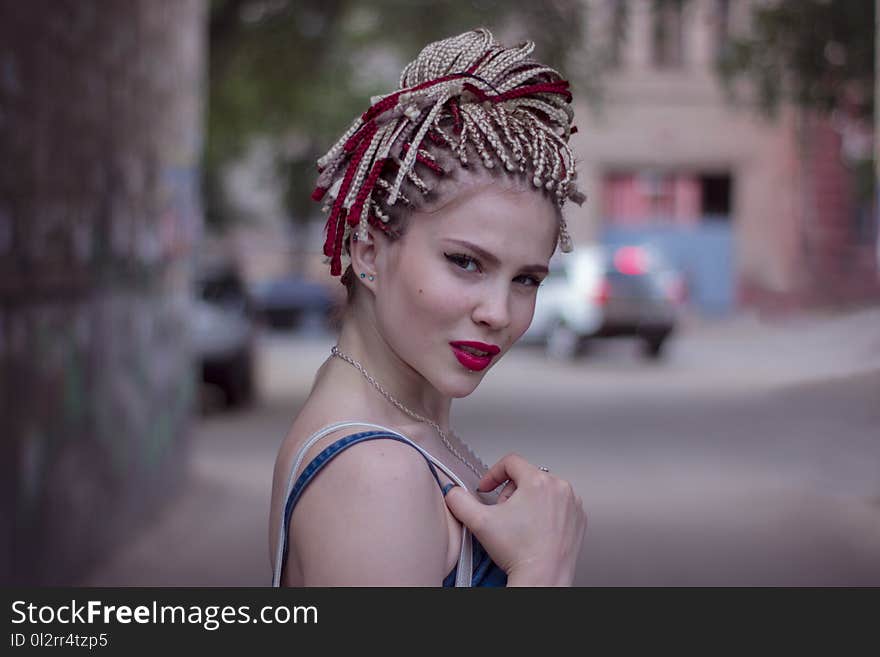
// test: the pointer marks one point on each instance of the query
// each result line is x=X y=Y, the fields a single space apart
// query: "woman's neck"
x=361 y=340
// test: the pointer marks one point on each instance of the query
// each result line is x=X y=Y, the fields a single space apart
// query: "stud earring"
x=363 y=275
x=372 y=277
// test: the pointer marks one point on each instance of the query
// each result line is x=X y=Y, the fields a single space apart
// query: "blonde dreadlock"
x=464 y=92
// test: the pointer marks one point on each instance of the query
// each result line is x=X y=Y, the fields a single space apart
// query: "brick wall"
x=830 y=265
x=100 y=134
x=841 y=273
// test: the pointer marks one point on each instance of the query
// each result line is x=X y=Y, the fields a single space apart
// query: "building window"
x=667 y=35
x=715 y=191
x=648 y=197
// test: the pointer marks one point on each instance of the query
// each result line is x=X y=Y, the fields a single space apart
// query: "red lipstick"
x=474 y=361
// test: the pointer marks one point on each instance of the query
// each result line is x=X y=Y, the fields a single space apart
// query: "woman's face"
x=466 y=273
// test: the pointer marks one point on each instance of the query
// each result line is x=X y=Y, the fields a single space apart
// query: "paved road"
x=751 y=456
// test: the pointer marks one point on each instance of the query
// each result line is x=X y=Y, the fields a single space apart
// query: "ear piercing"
x=371 y=277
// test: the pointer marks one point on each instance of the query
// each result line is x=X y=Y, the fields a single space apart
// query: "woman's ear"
x=366 y=254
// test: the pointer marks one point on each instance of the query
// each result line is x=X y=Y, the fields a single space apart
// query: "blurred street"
x=749 y=456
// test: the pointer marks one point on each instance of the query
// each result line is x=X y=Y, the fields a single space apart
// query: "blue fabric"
x=486 y=572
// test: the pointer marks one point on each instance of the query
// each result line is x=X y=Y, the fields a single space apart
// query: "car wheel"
x=563 y=342
x=240 y=388
x=652 y=348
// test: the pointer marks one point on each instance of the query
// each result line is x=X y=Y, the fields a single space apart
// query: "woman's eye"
x=531 y=281
x=470 y=264
x=465 y=262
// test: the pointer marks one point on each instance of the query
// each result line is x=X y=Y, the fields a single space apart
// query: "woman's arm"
x=374 y=516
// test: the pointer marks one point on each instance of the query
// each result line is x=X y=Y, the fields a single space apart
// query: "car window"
x=221 y=288
x=633 y=285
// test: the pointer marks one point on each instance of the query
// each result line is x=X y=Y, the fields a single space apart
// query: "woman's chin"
x=462 y=385
x=462 y=395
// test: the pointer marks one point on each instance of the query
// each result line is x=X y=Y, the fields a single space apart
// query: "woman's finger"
x=512 y=467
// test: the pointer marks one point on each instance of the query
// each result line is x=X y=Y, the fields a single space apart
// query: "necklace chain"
x=335 y=351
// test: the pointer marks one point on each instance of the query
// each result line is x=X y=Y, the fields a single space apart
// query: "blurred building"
x=758 y=211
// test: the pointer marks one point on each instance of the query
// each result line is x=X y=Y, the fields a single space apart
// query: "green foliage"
x=300 y=71
x=818 y=54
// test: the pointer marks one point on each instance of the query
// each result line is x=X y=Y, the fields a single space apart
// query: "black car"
x=638 y=295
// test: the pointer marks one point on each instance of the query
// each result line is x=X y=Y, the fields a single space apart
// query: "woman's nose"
x=493 y=309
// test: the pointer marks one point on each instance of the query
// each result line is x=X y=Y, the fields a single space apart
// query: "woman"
x=445 y=197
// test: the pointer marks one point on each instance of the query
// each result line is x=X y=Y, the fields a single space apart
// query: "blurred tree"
x=299 y=71
x=818 y=54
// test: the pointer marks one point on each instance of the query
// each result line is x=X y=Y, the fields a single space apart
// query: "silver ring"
x=543 y=468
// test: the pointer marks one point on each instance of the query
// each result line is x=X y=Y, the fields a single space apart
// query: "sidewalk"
x=813 y=346
x=215 y=532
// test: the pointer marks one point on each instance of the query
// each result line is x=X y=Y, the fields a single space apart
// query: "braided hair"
x=468 y=96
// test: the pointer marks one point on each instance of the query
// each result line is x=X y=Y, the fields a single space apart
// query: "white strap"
x=465 y=557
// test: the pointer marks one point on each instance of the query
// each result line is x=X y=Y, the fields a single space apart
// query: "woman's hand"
x=535 y=530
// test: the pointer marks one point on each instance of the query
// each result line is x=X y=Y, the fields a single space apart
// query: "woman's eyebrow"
x=492 y=259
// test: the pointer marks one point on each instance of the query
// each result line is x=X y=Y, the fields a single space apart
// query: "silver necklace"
x=336 y=351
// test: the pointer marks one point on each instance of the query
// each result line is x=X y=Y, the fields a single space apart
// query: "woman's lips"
x=473 y=361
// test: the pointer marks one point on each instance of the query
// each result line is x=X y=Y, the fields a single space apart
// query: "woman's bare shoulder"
x=321 y=410
x=373 y=515
x=382 y=457
x=311 y=418
x=314 y=417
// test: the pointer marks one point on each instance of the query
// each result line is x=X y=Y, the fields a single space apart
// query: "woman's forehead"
x=501 y=219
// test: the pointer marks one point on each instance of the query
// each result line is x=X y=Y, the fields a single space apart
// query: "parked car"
x=291 y=302
x=597 y=292
x=224 y=332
